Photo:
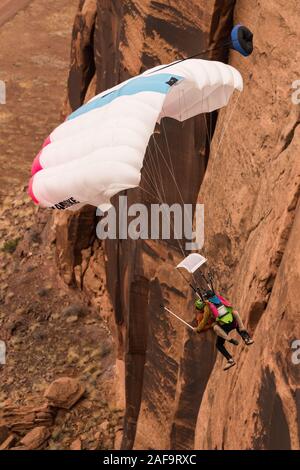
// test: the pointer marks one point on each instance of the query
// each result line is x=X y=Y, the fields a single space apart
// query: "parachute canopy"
x=99 y=150
x=192 y=262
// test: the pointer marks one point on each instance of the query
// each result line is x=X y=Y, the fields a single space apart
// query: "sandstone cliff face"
x=166 y=374
x=255 y=237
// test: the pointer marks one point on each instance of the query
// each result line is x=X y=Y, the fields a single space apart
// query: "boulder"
x=64 y=392
x=35 y=438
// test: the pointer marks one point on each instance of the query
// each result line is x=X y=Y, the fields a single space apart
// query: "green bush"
x=10 y=245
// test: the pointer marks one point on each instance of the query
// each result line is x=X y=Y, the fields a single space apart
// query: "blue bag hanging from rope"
x=242 y=40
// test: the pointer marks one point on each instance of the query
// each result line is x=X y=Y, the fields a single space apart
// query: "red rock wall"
x=249 y=226
x=254 y=241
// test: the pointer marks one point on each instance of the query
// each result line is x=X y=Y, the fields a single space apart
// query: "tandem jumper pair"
x=213 y=311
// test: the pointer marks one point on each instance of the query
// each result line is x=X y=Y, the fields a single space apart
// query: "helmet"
x=208 y=294
x=199 y=304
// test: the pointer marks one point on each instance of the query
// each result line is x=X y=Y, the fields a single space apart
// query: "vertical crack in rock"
x=196 y=366
x=82 y=67
x=274 y=432
x=109 y=31
x=290 y=136
x=136 y=348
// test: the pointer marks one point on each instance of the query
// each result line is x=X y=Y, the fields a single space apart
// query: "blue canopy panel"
x=159 y=83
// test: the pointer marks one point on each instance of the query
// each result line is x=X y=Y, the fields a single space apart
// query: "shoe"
x=231 y=362
x=248 y=341
x=234 y=341
x=246 y=338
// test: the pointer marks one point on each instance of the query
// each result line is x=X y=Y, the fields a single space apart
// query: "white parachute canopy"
x=192 y=262
x=99 y=150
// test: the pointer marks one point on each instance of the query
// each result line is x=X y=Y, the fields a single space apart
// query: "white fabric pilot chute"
x=196 y=279
x=99 y=150
x=192 y=262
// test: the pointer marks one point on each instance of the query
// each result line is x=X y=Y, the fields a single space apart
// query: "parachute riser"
x=208 y=281
x=226 y=44
x=211 y=281
x=195 y=289
x=241 y=40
